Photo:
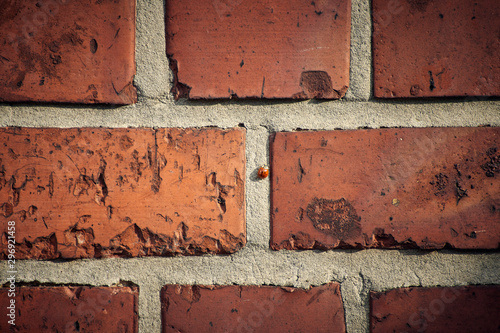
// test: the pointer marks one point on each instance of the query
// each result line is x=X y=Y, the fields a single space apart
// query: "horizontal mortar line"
x=158 y=284
x=228 y=104
x=342 y=115
x=204 y=265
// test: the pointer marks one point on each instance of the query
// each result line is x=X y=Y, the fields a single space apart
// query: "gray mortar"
x=358 y=272
x=153 y=74
x=361 y=56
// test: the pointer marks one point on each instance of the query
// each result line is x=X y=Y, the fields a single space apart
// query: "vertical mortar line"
x=149 y=305
x=257 y=190
x=360 y=71
x=153 y=75
x=268 y=205
x=356 y=305
x=138 y=10
x=370 y=49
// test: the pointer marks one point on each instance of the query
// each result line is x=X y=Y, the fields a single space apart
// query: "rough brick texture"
x=245 y=48
x=457 y=309
x=252 y=309
x=71 y=309
x=389 y=188
x=436 y=48
x=67 y=51
x=78 y=193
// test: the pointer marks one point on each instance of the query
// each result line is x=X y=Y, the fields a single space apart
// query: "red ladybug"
x=263 y=172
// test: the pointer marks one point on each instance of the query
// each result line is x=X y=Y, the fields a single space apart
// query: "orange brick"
x=68 y=51
x=252 y=309
x=70 y=309
x=80 y=193
x=244 y=48
x=436 y=48
x=457 y=309
x=389 y=188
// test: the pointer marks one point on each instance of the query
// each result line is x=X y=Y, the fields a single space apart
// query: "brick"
x=71 y=309
x=457 y=309
x=251 y=49
x=84 y=193
x=252 y=309
x=427 y=48
x=68 y=51
x=390 y=188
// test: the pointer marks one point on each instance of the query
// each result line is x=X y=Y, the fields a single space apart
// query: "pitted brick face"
x=335 y=217
x=424 y=48
x=71 y=309
x=91 y=193
x=253 y=49
x=68 y=51
x=389 y=188
x=318 y=84
x=492 y=167
x=187 y=308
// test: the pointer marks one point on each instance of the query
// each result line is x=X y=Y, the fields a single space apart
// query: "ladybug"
x=263 y=172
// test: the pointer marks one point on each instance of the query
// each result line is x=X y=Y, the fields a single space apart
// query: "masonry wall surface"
x=357 y=271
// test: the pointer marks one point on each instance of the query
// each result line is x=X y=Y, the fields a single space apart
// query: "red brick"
x=457 y=309
x=244 y=48
x=71 y=309
x=427 y=48
x=252 y=309
x=68 y=51
x=79 y=193
x=388 y=188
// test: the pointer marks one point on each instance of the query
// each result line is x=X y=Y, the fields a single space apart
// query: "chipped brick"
x=424 y=188
x=84 y=193
x=68 y=51
x=248 y=49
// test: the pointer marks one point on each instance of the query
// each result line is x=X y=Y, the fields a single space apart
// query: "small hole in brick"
x=93 y=45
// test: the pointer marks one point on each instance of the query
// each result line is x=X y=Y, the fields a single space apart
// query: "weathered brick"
x=389 y=188
x=456 y=309
x=68 y=51
x=70 y=309
x=244 y=48
x=252 y=309
x=427 y=48
x=78 y=193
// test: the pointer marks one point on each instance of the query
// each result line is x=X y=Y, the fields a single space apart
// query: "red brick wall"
x=240 y=195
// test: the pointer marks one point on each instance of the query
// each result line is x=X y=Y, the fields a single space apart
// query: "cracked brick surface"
x=67 y=51
x=424 y=188
x=252 y=309
x=84 y=193
x=71 y=309
x=453 y=309
x=424 y=48
x=252 y=49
